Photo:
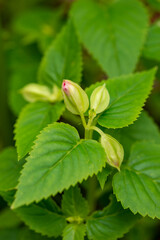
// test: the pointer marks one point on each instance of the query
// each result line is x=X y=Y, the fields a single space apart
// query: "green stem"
x=97 y=130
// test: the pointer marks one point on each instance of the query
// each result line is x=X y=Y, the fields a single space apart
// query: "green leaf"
x=138 y=185
x=113 y=33
x=63 y=59
x=58 y=160
x=111 y=223
x=143 y=129
x=9 y=169
x=43 y=218
x=33 y=118
x=73 y=203
x=127 y=97
x=102 y=176
x=152 y=46
x=74 y=232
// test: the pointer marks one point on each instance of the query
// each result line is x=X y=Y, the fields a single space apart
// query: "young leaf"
x=33 y=118
x=58 y=160
x=143 y=129
x=152 y=46
x=102 y=176
x=43 y=219
x=111 y=223
x=113 y=33
x=74 y=232
x=9 y=169
x=138 y=185
x=73 y=204
x=63 y=59
x=127 y=97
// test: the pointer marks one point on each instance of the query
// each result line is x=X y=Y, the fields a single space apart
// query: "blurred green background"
x=27 y=27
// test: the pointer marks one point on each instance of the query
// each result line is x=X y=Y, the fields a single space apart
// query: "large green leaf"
x=73 y=203
x=43 y=218
x=63 y=59
x=33 y=118
x=111 y=223
x=143 y=129
x=127 y=97
x=58 y=160
x=155 y=4
x=74 y=232
x=9 y=169
x=113 y=33
x=152 y=46
x=137 y=186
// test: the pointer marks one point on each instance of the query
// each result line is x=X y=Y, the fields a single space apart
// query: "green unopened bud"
x=99 y=99
x=114 y=150
x=34 y=92
x=75 y=98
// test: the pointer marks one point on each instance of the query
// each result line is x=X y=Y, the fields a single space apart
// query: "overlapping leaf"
x=33 y=118
x=74 y=232
x=43 y=218
x=138 y=185
x=144 y=129
x=152 y=46
x=111 y=223
x=128 y=95
x=113 y=33
x=58 y=160
x=63 y=59
x=73 y=203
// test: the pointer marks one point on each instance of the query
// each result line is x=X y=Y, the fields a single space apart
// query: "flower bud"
x=114 y=150
x=34 y=92
x=99 y=99
x=75 y=98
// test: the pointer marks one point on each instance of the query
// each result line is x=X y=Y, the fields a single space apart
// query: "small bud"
x=75 y=98
x=34 y=92
x=114 y=150
x=99 y=99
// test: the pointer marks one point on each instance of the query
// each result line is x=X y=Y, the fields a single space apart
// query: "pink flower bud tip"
x=65 y=86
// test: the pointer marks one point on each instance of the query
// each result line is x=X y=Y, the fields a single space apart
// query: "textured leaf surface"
x=43 y=218
x=73 y=203
x=33 y=118
x=152 y=46
x=144 y=129
x=58 y=160
x=63 y=59
x=111 y=223
x=109 y=32
x=127 y=97
x=138 y=186
x=74 y=232
x=9 y=169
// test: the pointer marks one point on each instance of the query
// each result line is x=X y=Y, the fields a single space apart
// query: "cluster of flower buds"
x=77 y=102
x=34 y=92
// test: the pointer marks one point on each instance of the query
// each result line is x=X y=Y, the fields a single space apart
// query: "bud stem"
x=97 y=130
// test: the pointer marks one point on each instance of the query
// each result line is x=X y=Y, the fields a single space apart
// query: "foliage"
x=85 y=165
